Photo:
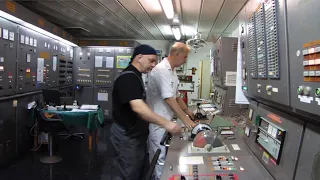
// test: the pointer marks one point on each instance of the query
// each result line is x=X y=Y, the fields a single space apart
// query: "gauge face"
x=200 y=127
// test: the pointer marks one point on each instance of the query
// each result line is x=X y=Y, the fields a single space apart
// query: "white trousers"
x=155 y=135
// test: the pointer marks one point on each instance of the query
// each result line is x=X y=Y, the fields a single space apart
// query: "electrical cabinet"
x=276 y=140
x=7 y=133
x=266 y=54
x=83 y=66
x=28 y=60
x=8 y=57
x=304 y=55
x=103 y=98
x=224 y=75
x=104 y=66
x=122 y=59
x=65 y=64
x=84 y=95
x=309 y=161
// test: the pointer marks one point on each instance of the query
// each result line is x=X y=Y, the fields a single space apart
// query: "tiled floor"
x=77 y=163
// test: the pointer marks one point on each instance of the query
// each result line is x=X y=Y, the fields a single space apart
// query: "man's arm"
x=184 y=107
x=142 y=109
x=173 y=104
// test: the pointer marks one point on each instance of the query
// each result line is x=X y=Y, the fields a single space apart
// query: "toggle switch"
x=306 y=91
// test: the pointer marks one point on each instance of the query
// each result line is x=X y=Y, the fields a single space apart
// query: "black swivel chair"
x=51 y=124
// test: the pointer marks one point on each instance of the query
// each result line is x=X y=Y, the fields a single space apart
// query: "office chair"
x=152 y=165
x=51 y=124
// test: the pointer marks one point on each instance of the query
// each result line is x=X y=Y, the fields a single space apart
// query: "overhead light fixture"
x=167 y=7
x=176 y=32
x=35 y=28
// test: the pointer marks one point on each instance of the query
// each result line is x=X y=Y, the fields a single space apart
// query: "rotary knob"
x=306 y=91
x=268 y=88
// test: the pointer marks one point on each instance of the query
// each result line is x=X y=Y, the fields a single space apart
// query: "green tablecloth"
x=91 y=119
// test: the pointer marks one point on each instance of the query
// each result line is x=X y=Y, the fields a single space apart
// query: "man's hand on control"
x=173 y=128
x=190 y=114
x=189 y=123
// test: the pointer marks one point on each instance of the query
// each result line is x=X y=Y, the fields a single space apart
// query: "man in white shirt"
x=164 y=99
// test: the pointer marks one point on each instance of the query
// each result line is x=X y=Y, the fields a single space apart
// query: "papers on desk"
x=81 y=110
x=191 y=160
x=89 y=107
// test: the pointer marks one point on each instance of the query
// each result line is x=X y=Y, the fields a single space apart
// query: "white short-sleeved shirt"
x=162 y=83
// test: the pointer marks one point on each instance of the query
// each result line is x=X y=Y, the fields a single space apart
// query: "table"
x=90 y=119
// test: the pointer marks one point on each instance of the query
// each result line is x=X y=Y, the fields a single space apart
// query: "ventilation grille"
x=260 y=35
x=252 y=47
x=272 y=38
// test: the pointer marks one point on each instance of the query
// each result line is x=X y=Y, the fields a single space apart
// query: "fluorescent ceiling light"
x=167 y=7
x=35 y=28
x=176 y=32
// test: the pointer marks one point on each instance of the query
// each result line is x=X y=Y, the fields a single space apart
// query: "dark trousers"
x=130 y=161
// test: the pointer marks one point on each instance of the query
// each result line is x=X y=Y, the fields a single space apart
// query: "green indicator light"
x=244 y=88
x=299 y=90
x=318 y=91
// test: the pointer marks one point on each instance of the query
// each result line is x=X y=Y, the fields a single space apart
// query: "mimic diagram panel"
x=309 y=161
x=103 y=97
x=104 y=66
x=83 y=66
x=122 y=59
x=304 y=53
x=276 y=141
x=267 y=57
x=8 y=56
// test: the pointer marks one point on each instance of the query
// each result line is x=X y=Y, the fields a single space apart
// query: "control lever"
x=182 y=177
x=164 y=138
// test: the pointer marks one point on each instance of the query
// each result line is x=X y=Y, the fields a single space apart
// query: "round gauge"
x=198 y=128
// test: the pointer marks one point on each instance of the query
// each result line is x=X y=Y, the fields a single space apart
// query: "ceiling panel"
x=153 y=8
x=75 y=15
x=137 y=12
x=209 y=14
x=98 y=9
x=131 y=13
x=117 y=28
x=61 y=17
x=229 y=10
x=191 y=13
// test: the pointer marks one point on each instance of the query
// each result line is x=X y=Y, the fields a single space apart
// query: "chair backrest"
x=51 y=97
x=152 y=165
x=46 y=125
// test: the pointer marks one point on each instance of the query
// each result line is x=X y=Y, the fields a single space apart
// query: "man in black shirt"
x=129 y=133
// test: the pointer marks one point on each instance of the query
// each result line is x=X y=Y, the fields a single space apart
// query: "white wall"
x=193 y=61
x=235 y=33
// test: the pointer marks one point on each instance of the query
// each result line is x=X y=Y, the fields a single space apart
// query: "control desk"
x=231 y=160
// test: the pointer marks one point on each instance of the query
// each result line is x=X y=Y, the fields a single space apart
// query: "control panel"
x=266 y=58
x=28 y=67
x=65 y=64
x=56 y=72
x=273 y=137
x=122 y=59
x=8 y=56
x=83 y=66
x=304 y=56
x=104 y=66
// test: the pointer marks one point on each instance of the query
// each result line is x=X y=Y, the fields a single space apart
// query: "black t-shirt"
x=128 y=87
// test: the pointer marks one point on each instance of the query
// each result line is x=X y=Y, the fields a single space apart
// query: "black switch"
x=182 y=178
x=218 y=177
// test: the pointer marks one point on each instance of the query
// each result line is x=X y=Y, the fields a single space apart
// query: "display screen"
x=123 y=61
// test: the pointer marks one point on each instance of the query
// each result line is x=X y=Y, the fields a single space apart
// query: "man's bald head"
x=178 y=54
x=179 y=47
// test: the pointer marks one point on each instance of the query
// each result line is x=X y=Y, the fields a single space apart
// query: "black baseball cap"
x=144 y=50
